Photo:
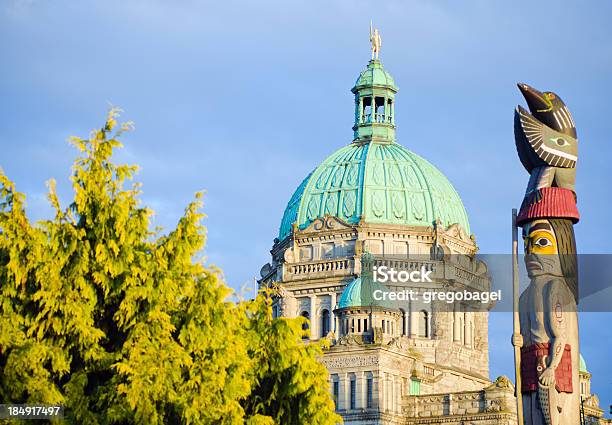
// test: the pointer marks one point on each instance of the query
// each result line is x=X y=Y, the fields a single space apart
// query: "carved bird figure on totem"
x=546 y=141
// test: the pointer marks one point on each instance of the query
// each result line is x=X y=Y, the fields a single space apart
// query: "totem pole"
x=549 y=356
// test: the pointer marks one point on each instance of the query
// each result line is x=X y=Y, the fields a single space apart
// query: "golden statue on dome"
x=376 y=41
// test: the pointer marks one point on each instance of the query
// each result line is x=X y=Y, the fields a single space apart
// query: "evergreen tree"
x=291 y=386
x=121 y=324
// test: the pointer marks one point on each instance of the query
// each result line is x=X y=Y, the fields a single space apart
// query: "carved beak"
x=535 y=99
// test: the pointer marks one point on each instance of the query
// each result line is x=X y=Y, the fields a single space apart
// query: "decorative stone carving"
x=456 y=231
x=378 y=335
x=289 y=255
x=349 y=361
x=351 y=340
x=326 y=223
x=501 y=382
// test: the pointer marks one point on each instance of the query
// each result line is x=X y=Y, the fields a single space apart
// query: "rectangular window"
x=369 y=389
x=336 y=392
x=415 y=387
x=353 y=393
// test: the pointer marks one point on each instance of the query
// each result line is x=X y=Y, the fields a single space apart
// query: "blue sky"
x=244 y=98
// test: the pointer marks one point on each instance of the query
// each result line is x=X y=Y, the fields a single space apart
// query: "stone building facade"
x=374 y=203
x=591 y=412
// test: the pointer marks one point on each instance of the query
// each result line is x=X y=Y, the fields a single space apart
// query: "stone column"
x=468 y=328
x=360 y=388
x=398 y=393
x=390 y=393
x=314 y=320
x=456 y=324
x=360 y=114
x=382 y=392
x=385 y=110
x=413 y=319
x=343 y=397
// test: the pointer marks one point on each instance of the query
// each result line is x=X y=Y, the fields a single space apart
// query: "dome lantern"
x=374 y=105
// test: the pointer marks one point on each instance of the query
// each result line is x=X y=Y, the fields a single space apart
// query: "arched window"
x=424 y=324
x=403 y=327
x=306 y=324
x=324 y=323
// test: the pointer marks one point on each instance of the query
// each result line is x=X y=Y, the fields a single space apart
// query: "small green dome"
x=374 y=75
x=583 y=366
x=378 y=182
x=356 y=294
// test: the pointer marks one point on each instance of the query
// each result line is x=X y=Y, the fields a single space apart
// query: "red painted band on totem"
x=549 y=202
x=533 y=355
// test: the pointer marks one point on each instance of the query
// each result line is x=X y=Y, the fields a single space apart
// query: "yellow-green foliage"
x=120 y=324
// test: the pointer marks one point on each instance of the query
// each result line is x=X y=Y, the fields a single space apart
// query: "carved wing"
x=551 y=147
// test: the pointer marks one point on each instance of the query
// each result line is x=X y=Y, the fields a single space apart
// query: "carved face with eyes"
x=541 y=254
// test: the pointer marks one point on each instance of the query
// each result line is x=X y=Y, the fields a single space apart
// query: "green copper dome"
x=360 y=292
x=583 y=366
x=381 y=182
x=375 y=75
x=374 y=178
x=355 y=295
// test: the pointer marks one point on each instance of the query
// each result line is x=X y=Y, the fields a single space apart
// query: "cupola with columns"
x=374 y=105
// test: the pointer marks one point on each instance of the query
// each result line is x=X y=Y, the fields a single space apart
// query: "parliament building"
x=373 y=202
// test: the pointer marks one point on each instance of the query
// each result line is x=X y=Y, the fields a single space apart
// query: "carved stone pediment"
x=456 y=231
x=326 y=223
